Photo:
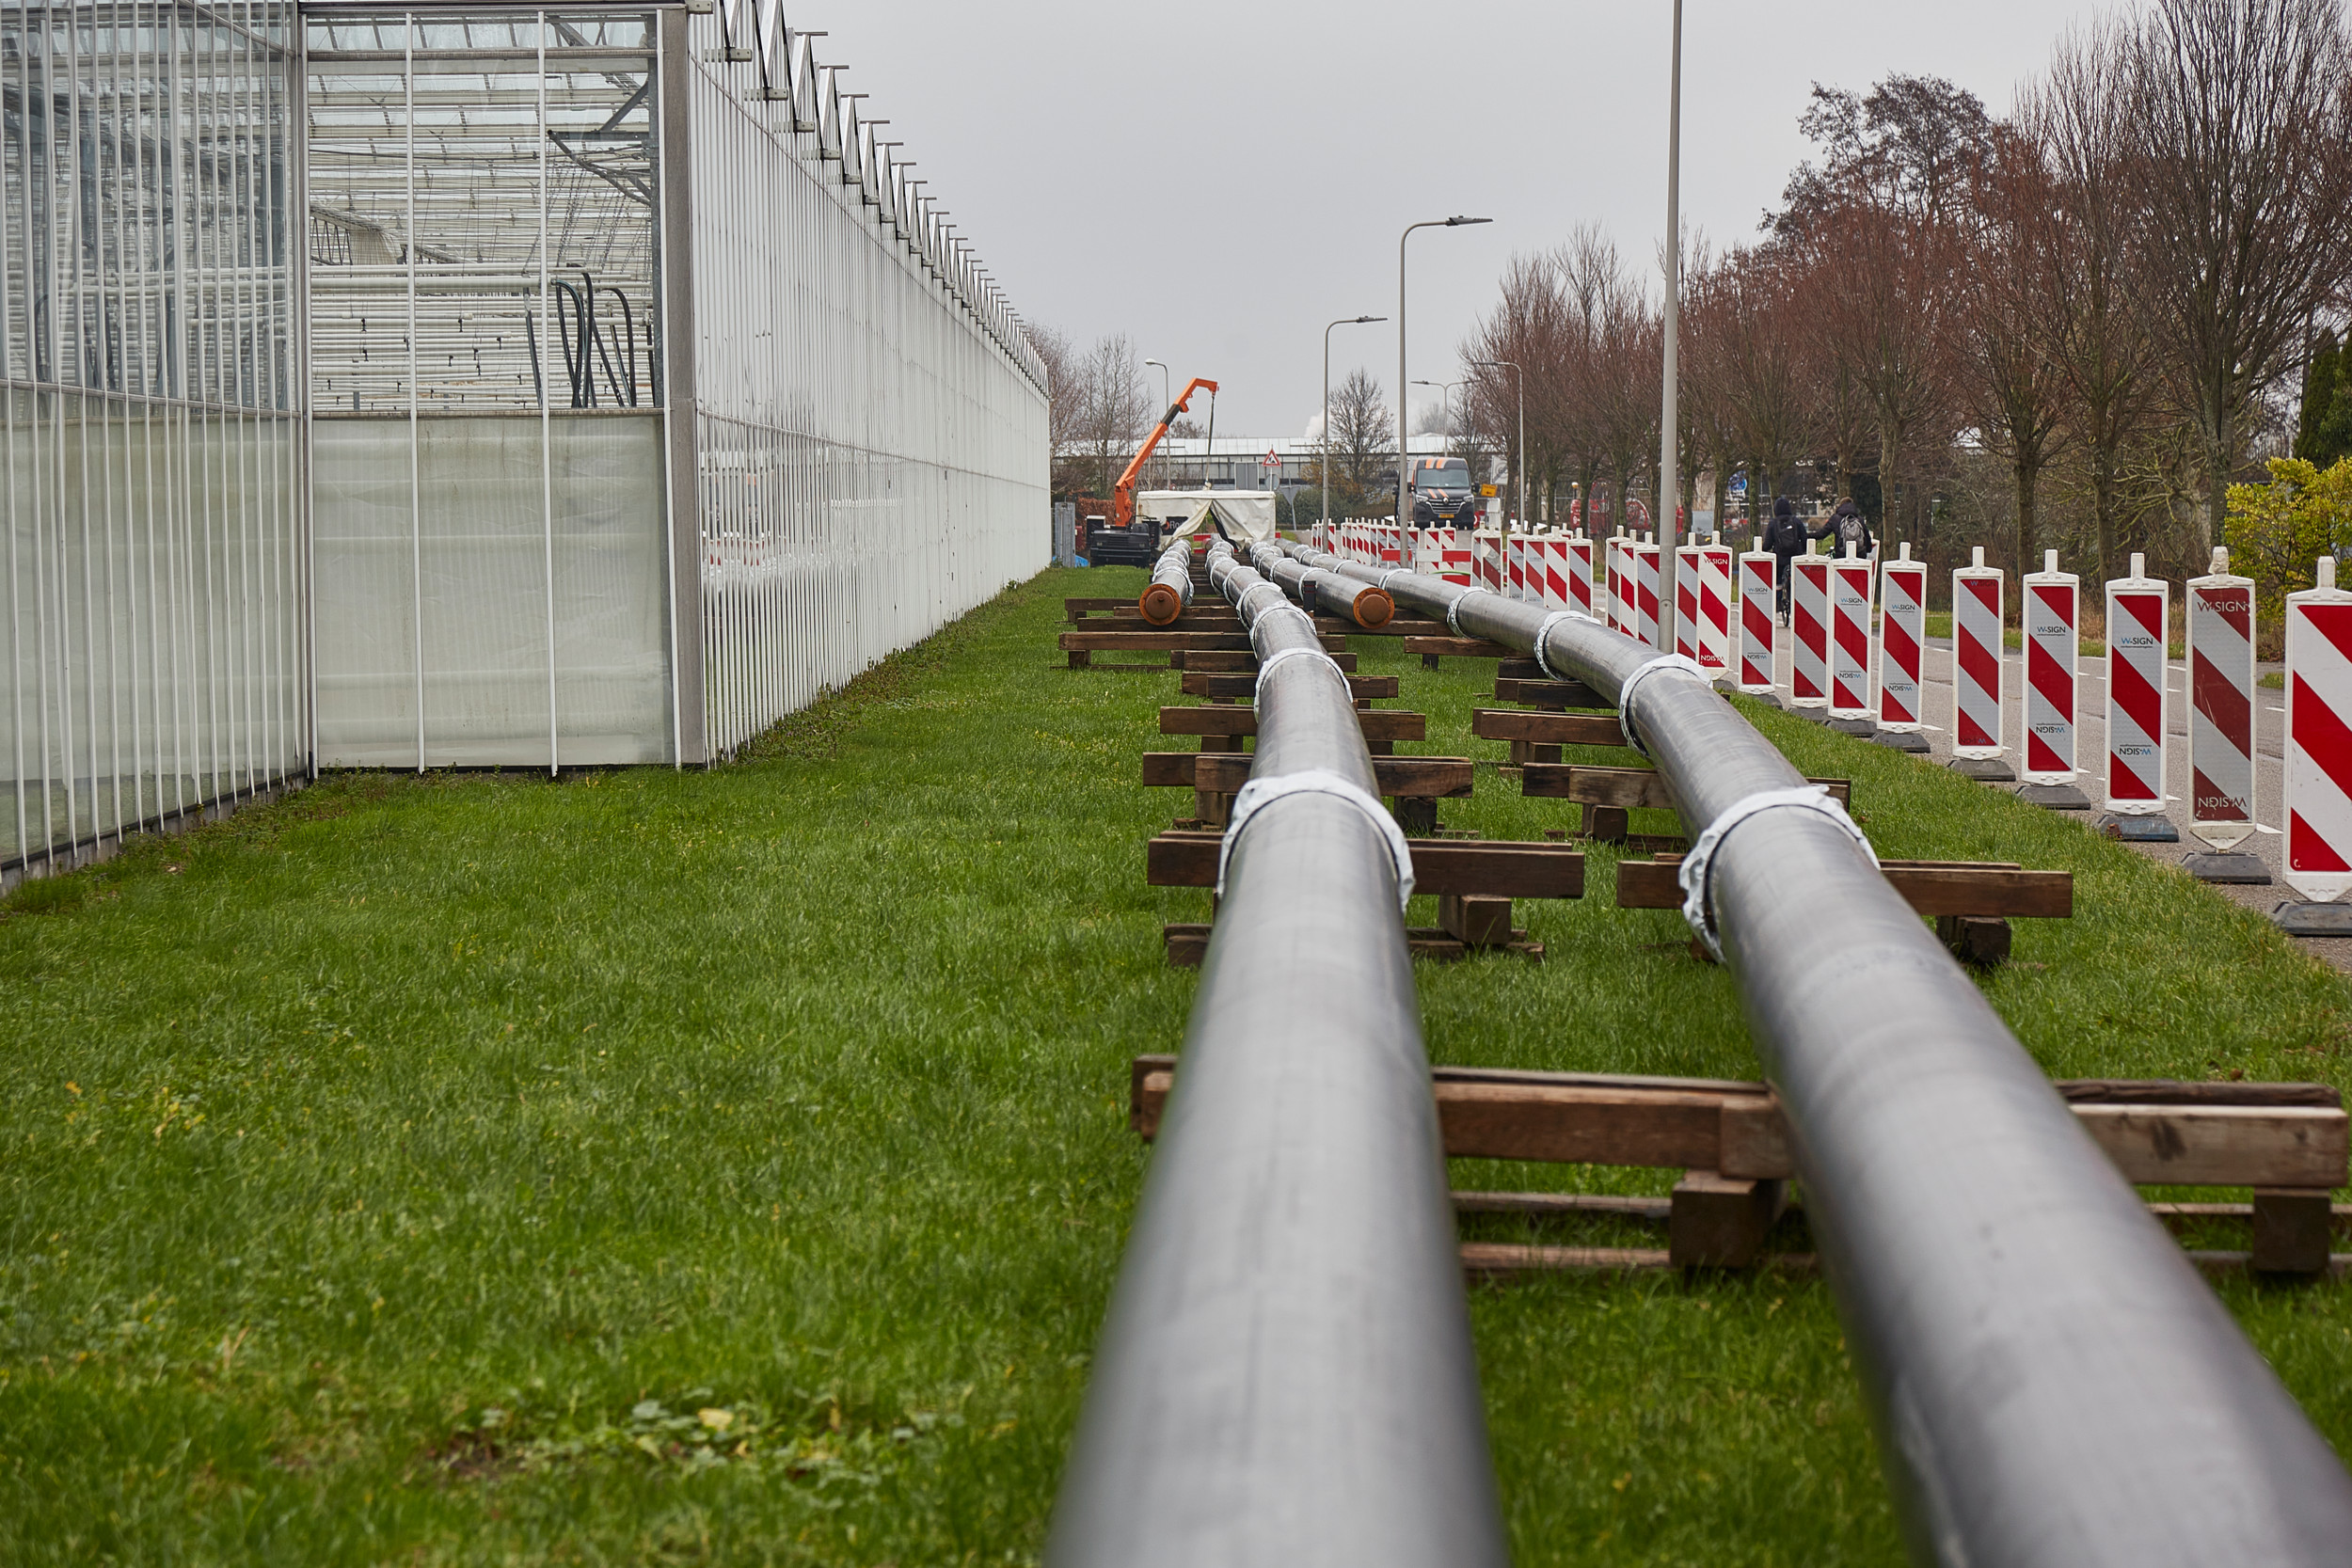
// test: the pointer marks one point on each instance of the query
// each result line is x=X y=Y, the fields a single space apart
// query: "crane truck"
x=1119 y=537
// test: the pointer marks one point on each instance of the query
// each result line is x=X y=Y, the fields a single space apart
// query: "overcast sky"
x=1219 y=179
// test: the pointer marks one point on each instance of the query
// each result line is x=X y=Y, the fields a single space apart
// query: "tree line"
x=2072 y=327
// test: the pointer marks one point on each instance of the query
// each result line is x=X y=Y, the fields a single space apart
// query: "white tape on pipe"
x=1452 y=611
x=1677 y=663
x=1544 y=633
x=1697 y=866
x=1295 y=652
x=1259 y=793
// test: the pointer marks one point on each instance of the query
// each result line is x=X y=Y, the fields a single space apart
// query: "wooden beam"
x=1378 y=723
x=1737 y=1130
x=1169 y=641
x=1178 y=859
x=1546 y=729
x=1623 y=787
x=1225 y=772
x=1201 y=683
x=1548 y=693
x=1187 y=945
x=1228 y=659
x=1995 y=890
x=1454 y=647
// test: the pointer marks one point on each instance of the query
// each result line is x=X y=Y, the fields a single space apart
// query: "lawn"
x=732 y=1167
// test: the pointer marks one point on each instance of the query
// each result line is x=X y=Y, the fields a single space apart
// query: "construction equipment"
x=1123 y=493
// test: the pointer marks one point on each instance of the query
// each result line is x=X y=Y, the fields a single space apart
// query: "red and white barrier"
x=1581 y=575
x=1903 y=638
x=2221 y=705
x=1518 y=552
x=1978 y=591
x=1460 y=552
x=1808 y=624
x=1645 y=592
x=2319 y=739
x=2140 y=625
x=1715 y=607
x=1555 y=572
x=2053 y=618
x=1849 y=636
x=1686 y=601
x=1758 y=624
x=1428 y=553
x=1612 y=586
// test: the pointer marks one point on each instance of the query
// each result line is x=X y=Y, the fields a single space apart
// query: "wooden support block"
x=1519 y=669
x=1494 y=1261
x=1525 y=752
x=1376 y=723
x=1429 y=661
x=1228 y=660
x=1547 y=693
x=1629 y=787
x=1209 y=807
x=1171 y=641
x=1189 y=945
x=1975 y=938
x=1498 y=870
x=2221 y=1146
x=1548 y=729
x=1227 y=743
x=1752 y=1138
x=1606 y=824
x=1455 y=647
x=1427 y=778
x=1417 y=814
x=1472 y=920
x=2292 y=1228
x=1931 y=889
x=1203 y=682
x=1720 y=1221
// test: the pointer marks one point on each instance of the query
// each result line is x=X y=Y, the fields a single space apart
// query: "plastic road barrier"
x=1903 y=636
x=1715 y=606
x=1850 y=636
x=1459 y=553
x=1687 y=600
x=2319 y=739
x=2138 y=628
x=1808 y=624
x=2221 y=705
x=1757 y=622
x=2052 y=606
x=1580 y=574
x=1645 y=592
x=1519 y=543
x=1612 y=584
x=1555 y=572
x=1977 y=592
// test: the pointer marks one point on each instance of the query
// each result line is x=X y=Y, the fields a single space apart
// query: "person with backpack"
x=1845 y=526
x=1785 y=536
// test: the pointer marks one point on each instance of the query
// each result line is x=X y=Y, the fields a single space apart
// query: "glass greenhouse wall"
x=148 y=330
x=645 y=405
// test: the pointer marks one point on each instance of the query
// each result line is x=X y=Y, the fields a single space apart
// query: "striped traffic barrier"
x=1902 y=642
x=2221 y=610
x=1757 y=622
x=1978 y=727
x=1580 y=574
x=1612 y=583
x=1715 y=606
x=1459 y=553
x=1849 y=639
x=2140 y=625
x=2053 y=618
x=1556 y=573
x=1808 y=627
x=1517 y=556
x=1645 y=589
x=2319 y=742
x=1686 y=601
x=1428 y=553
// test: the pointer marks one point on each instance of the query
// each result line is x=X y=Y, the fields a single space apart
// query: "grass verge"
x=732 y=1165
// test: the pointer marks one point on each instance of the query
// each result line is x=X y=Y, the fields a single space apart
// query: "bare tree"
x=1753 y=354
x=1114 y=409
x=2239 y=161
x=1362 y=431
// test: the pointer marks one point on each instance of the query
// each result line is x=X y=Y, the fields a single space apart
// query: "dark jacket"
x=1847 y=525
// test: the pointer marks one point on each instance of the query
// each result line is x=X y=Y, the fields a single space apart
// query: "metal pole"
x=1285 y=1374
x=2054 y=1384
x=1344 y=321
x=1403 y=441
x=1669 y=417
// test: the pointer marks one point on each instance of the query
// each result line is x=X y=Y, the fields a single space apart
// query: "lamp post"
x=1445 y=408
x=1404 y=442
x=1518 y=379
x=1165 y=396
x=1668 y=417
x=1344 y=321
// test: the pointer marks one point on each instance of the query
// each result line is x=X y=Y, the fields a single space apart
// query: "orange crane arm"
x=1123 y=493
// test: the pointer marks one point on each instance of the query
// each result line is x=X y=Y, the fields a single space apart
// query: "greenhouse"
x=481 y=385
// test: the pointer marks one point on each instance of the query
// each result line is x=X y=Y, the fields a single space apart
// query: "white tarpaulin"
x=1245 y=513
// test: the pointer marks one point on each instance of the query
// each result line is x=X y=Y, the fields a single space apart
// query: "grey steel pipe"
x=2052 y=1381
x=1324 y=592
x=1285 y=1374
x=1168 y=593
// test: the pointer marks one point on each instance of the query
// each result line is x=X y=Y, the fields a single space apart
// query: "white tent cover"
x=1245 y=513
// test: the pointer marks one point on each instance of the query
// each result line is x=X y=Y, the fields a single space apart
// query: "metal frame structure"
x=149 y=321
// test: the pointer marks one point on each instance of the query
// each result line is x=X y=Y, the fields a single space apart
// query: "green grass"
x=2274 y=680
x=401 y=1171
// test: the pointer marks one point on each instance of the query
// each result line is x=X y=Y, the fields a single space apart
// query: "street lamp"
x=1344 y=321
x=1668 y=435
x=1165 y=396
x=1519 y=378
x=1403 y=441
x=1445 y=408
